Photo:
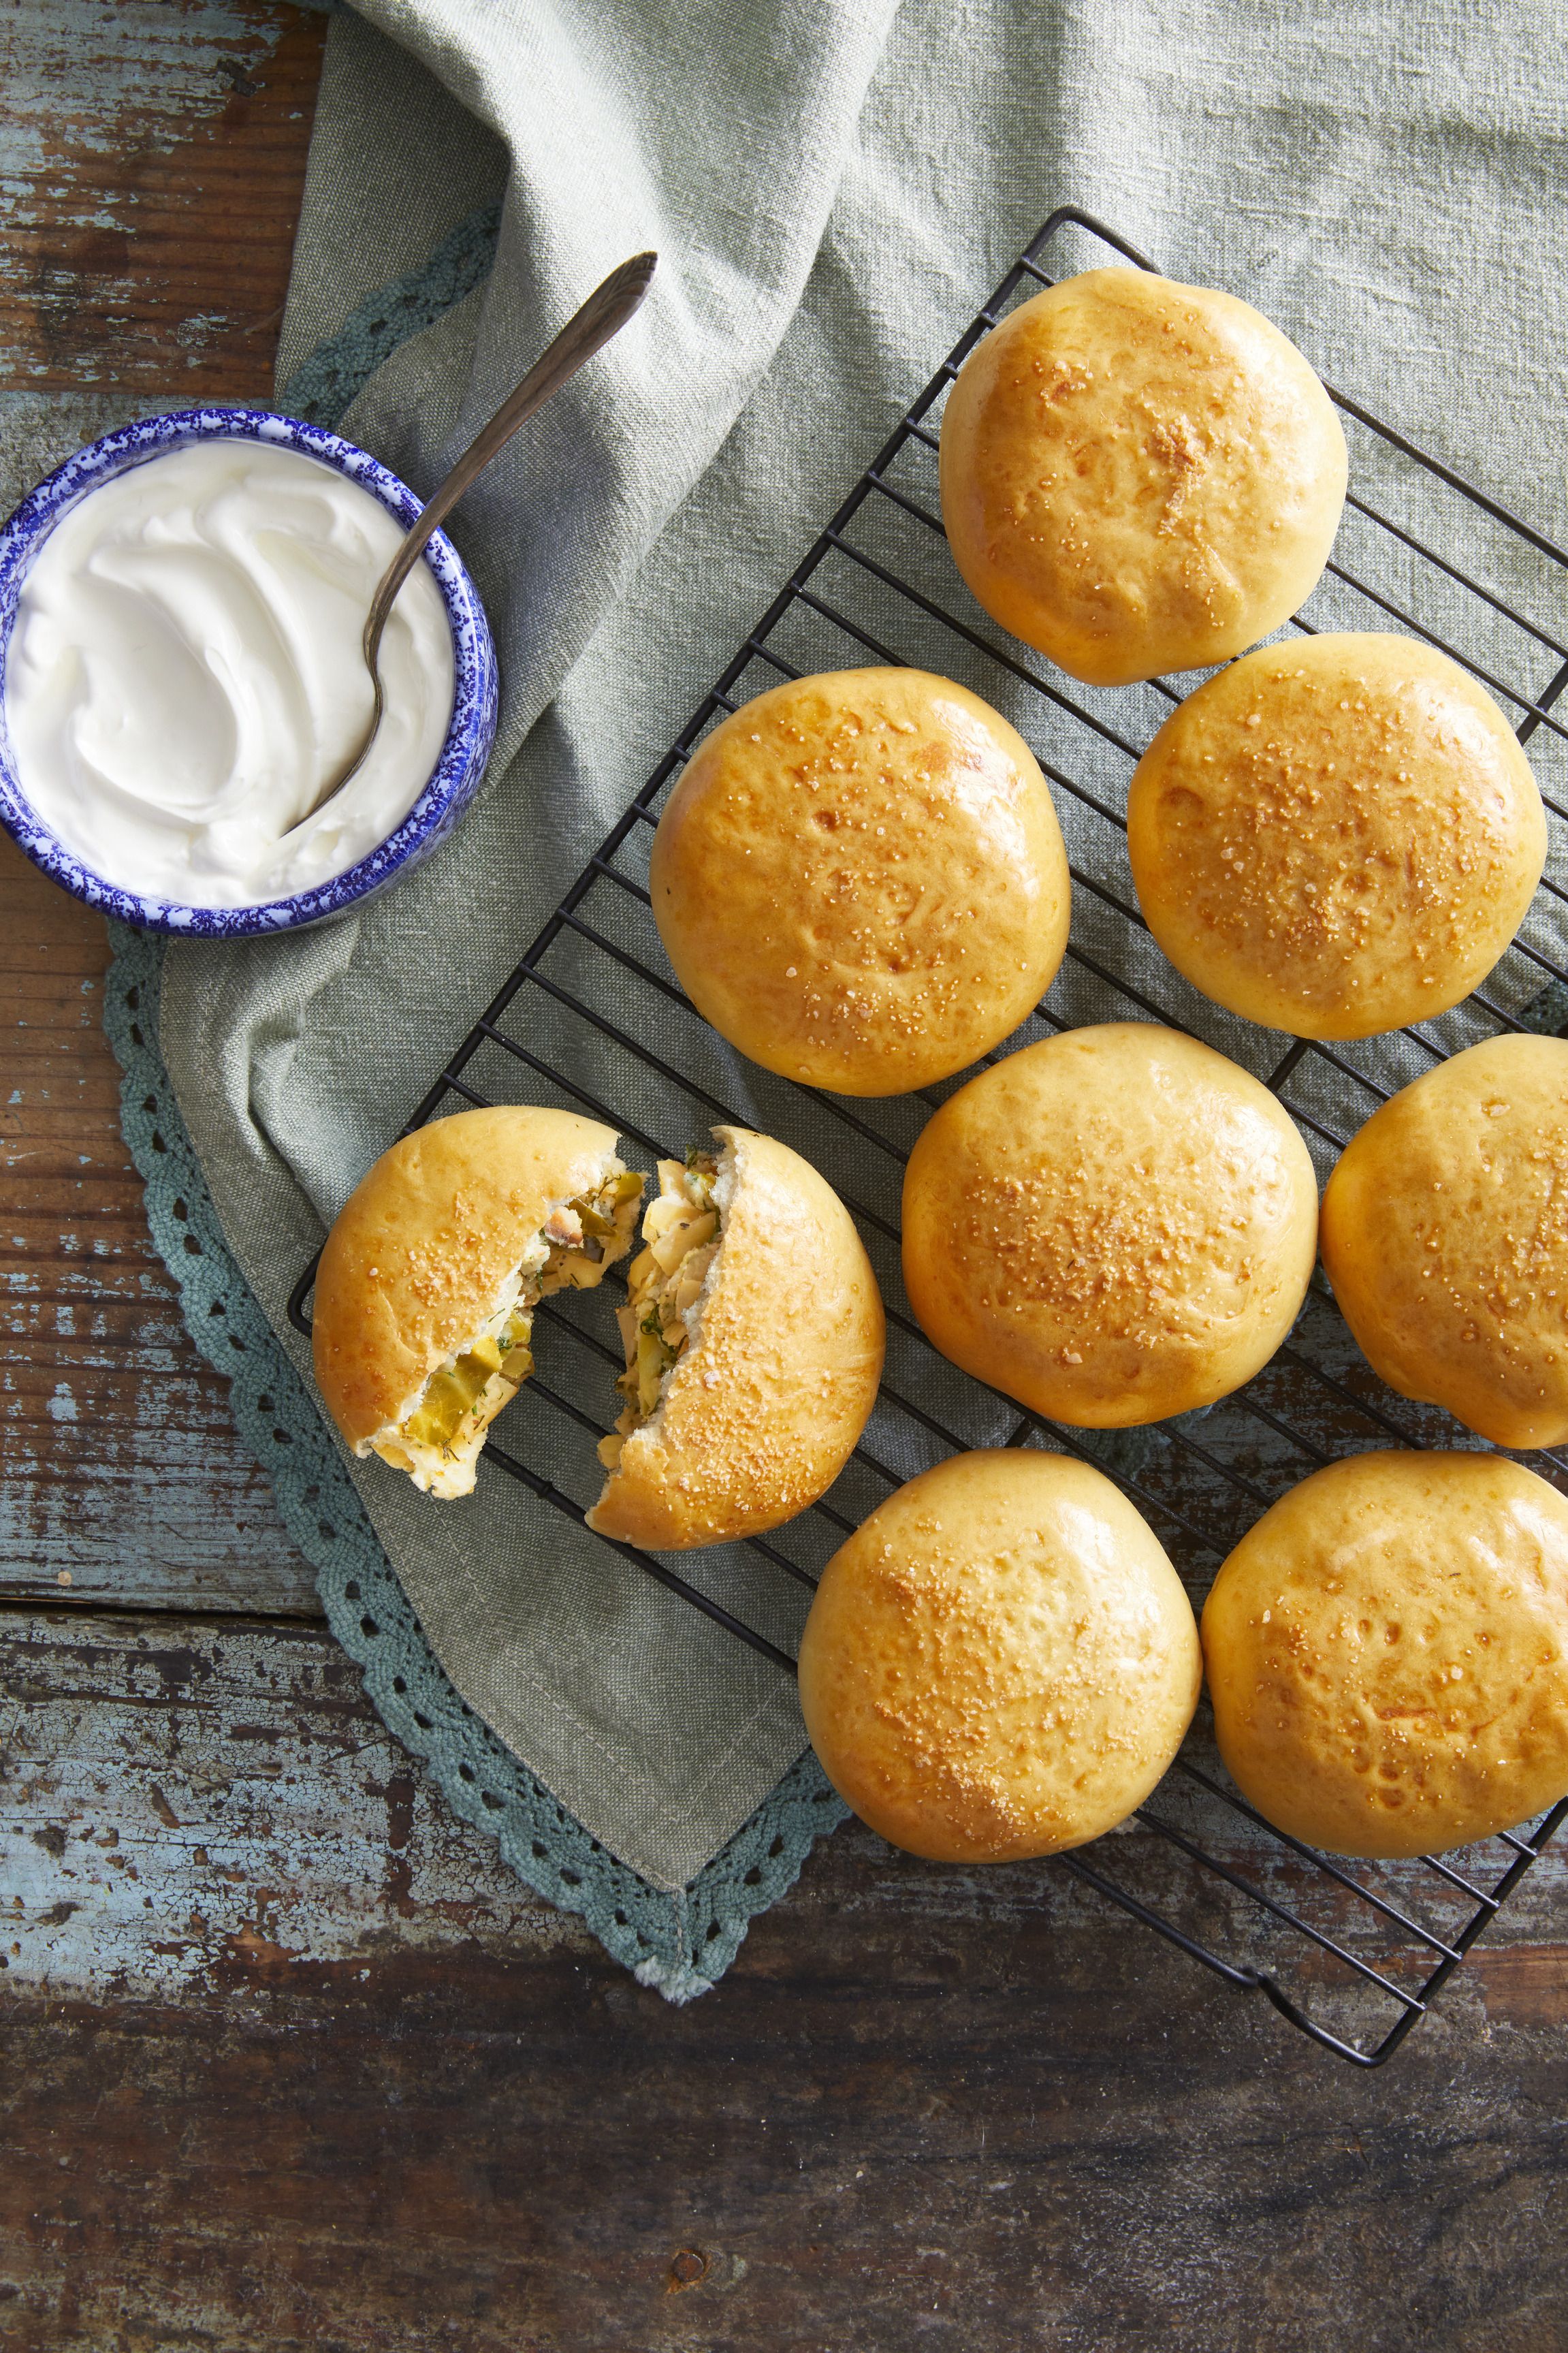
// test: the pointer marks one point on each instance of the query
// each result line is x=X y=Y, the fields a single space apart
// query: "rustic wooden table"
x=290 y=2060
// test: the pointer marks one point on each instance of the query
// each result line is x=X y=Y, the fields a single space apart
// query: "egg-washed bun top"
x=1001 y=1662
x=1139 y=477
x=1337 y=836
x=425 y=1291
x=860 y=880
x=1113 y=1227
x=1387 y=1653
x=753 y=1331
x=1445 y=1235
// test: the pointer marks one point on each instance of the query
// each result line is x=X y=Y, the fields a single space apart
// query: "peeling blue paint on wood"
x=184 y=1805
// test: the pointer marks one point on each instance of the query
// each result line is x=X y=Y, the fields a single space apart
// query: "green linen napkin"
x=832 y=186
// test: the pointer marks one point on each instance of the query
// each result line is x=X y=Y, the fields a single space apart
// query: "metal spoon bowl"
x=604 y=314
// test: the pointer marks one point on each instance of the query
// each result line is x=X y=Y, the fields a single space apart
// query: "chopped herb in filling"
x=681 y=1235
x=581 y=1234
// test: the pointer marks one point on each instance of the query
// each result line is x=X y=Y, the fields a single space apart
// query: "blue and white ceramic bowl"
x=468 y=736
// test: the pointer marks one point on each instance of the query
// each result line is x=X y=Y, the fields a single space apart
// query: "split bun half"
x=426 y=1284
x=754 y=1325
x=778 y=1359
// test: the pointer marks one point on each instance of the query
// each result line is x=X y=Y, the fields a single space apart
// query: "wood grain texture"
x=510 y=2156
x=120 y=1474
x=290 y=2060
x=231 y=1773
x=339 y=2079
x=186 y=1800
x=152 y=157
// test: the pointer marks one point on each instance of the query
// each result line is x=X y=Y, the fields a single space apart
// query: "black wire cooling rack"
x=1352 y=1956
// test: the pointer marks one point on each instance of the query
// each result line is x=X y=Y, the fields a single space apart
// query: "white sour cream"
x=185 y=674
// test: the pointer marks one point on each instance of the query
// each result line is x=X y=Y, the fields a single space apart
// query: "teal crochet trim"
x=680 y=1944
x=323 y=387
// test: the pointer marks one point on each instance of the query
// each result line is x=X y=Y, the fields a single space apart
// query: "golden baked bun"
x=1445 y=1235
x=1387 y=1653
x=426 y=1287
x=860 y=880
x=1000 y=1662
x=1139 y=477
x=1337 y=836
x=1112 y=1226
x=754 y=1334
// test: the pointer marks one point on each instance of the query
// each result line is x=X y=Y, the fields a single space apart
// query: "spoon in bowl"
x=604 y=314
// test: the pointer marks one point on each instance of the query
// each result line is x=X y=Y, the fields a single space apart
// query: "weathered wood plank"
x=339 y=2079
x=176 y=1788
x=120 y=1474
x=184 y=1801
x=353 y=2087
x=152 y=157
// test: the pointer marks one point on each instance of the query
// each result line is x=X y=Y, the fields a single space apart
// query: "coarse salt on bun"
x=1114 y=1226
x=1336 y=836
x=1445 y=1235
x=1139 y=476
x=424 y=1293
x=860 y=880
x=755 y=1336
x=1000 y=1662
x=1387 y=1653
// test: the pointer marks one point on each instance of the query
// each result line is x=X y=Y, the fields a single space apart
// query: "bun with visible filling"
x=753 y=1331
x=425 y=1293
x=1000 y=1662
x=1387 y=1653
x=1138 y=475
x=1336 y=836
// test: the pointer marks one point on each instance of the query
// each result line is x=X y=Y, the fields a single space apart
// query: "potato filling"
x=456 y=1394
x=680 y=1236
x=580 y=1240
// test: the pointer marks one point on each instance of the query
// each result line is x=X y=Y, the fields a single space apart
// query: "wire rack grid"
x=1353 y=1956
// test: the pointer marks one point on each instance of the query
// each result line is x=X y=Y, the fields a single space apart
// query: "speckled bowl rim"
x=469 y=732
